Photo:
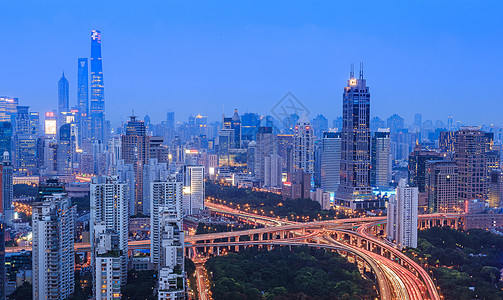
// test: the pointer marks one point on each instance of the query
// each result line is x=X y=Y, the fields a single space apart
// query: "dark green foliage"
x=462 y=259
x=25 y=291
x=284 y=273
x=82 y=203
x=190 y=267
x=140 y=285
x=265 y=203
x=25 y=190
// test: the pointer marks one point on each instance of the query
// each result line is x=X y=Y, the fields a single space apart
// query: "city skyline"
x=250 y=67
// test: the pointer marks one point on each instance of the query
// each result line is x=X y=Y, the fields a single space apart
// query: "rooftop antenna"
x=361 y=70
x=352 y=72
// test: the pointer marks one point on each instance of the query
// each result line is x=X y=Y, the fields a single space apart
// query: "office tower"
x=376 y=123
x=6 y=137
x=8 y=108
x=355 y=145
x=402 y=216
x=303 y=146
x=6 y=192
x=337 y=124
x=250 y=157
x=110 y=208
x=233 y=124
x=330 y=161
x=273 y=171
x=107 y=279
x=495 y=188
x=450 y=124
x=170 y=120
x=65 y=150
x=266 y=146
x=53 y=226
x=446 y=141
x=171 y=260
x=34 y=123
x=442 y=187
x=418 y=172
x=135 y=147
x=380 y=175
x=285 y=149
x=395 y=123
x=152 y=171
x=3 y=278
x=193 y=189
x=163 y=193
x=470 y=149
x=320 y=125
x=97 y=109
x=83 y=98
x=158 y=150
x=22 y=120
x=250 y=122
x=63 y=99
x=418 y=120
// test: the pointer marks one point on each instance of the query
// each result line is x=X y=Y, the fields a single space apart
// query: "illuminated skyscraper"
x=97 y=111
x=63 y=99
x=83 y=97
x=330 y=161
x=354 y=189
x=381 y=158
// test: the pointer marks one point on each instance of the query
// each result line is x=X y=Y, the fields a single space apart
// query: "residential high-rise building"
x=167 y=193
x=6 y=192
x=402 y=216
x=171 y=262
x=63 y=99
x=107 y=267
x=135 y=147
x=97 y=109
x=330 y=161
x=193 y=189
x=303 y=146
x=273 y=171
x=152 y=171
x=53 y=226
x=110 y=208
x=83 y=98
x=380 y=175
x=470 y=149
x=442 y=187
x=285 y=149
x=355 y=190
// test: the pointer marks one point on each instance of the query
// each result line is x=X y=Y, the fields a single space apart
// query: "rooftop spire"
x=361 y=70
x=352 y=71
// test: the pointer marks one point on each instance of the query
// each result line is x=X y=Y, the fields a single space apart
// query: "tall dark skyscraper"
x=83 y=96
x=63 y=98
x=97 y=111
x=354 y=189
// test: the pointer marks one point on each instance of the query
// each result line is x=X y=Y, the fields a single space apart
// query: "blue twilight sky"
x=434 y=57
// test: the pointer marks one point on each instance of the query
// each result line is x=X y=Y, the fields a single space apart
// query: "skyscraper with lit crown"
x=303 y=146
x=355 y=190
x=97 y=110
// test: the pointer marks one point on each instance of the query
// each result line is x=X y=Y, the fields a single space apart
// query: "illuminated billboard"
x=50 y=127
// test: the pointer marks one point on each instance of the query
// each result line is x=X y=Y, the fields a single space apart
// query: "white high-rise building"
x=125 y=174
x=108 y=264
x=152 y=171
x=171 y=264
x=402 y=216
x=166 y=193
x=273 y=171
x=330 y=161
x=193 y=189
x=303 y=146
x=110 y=208
x=53 y=226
